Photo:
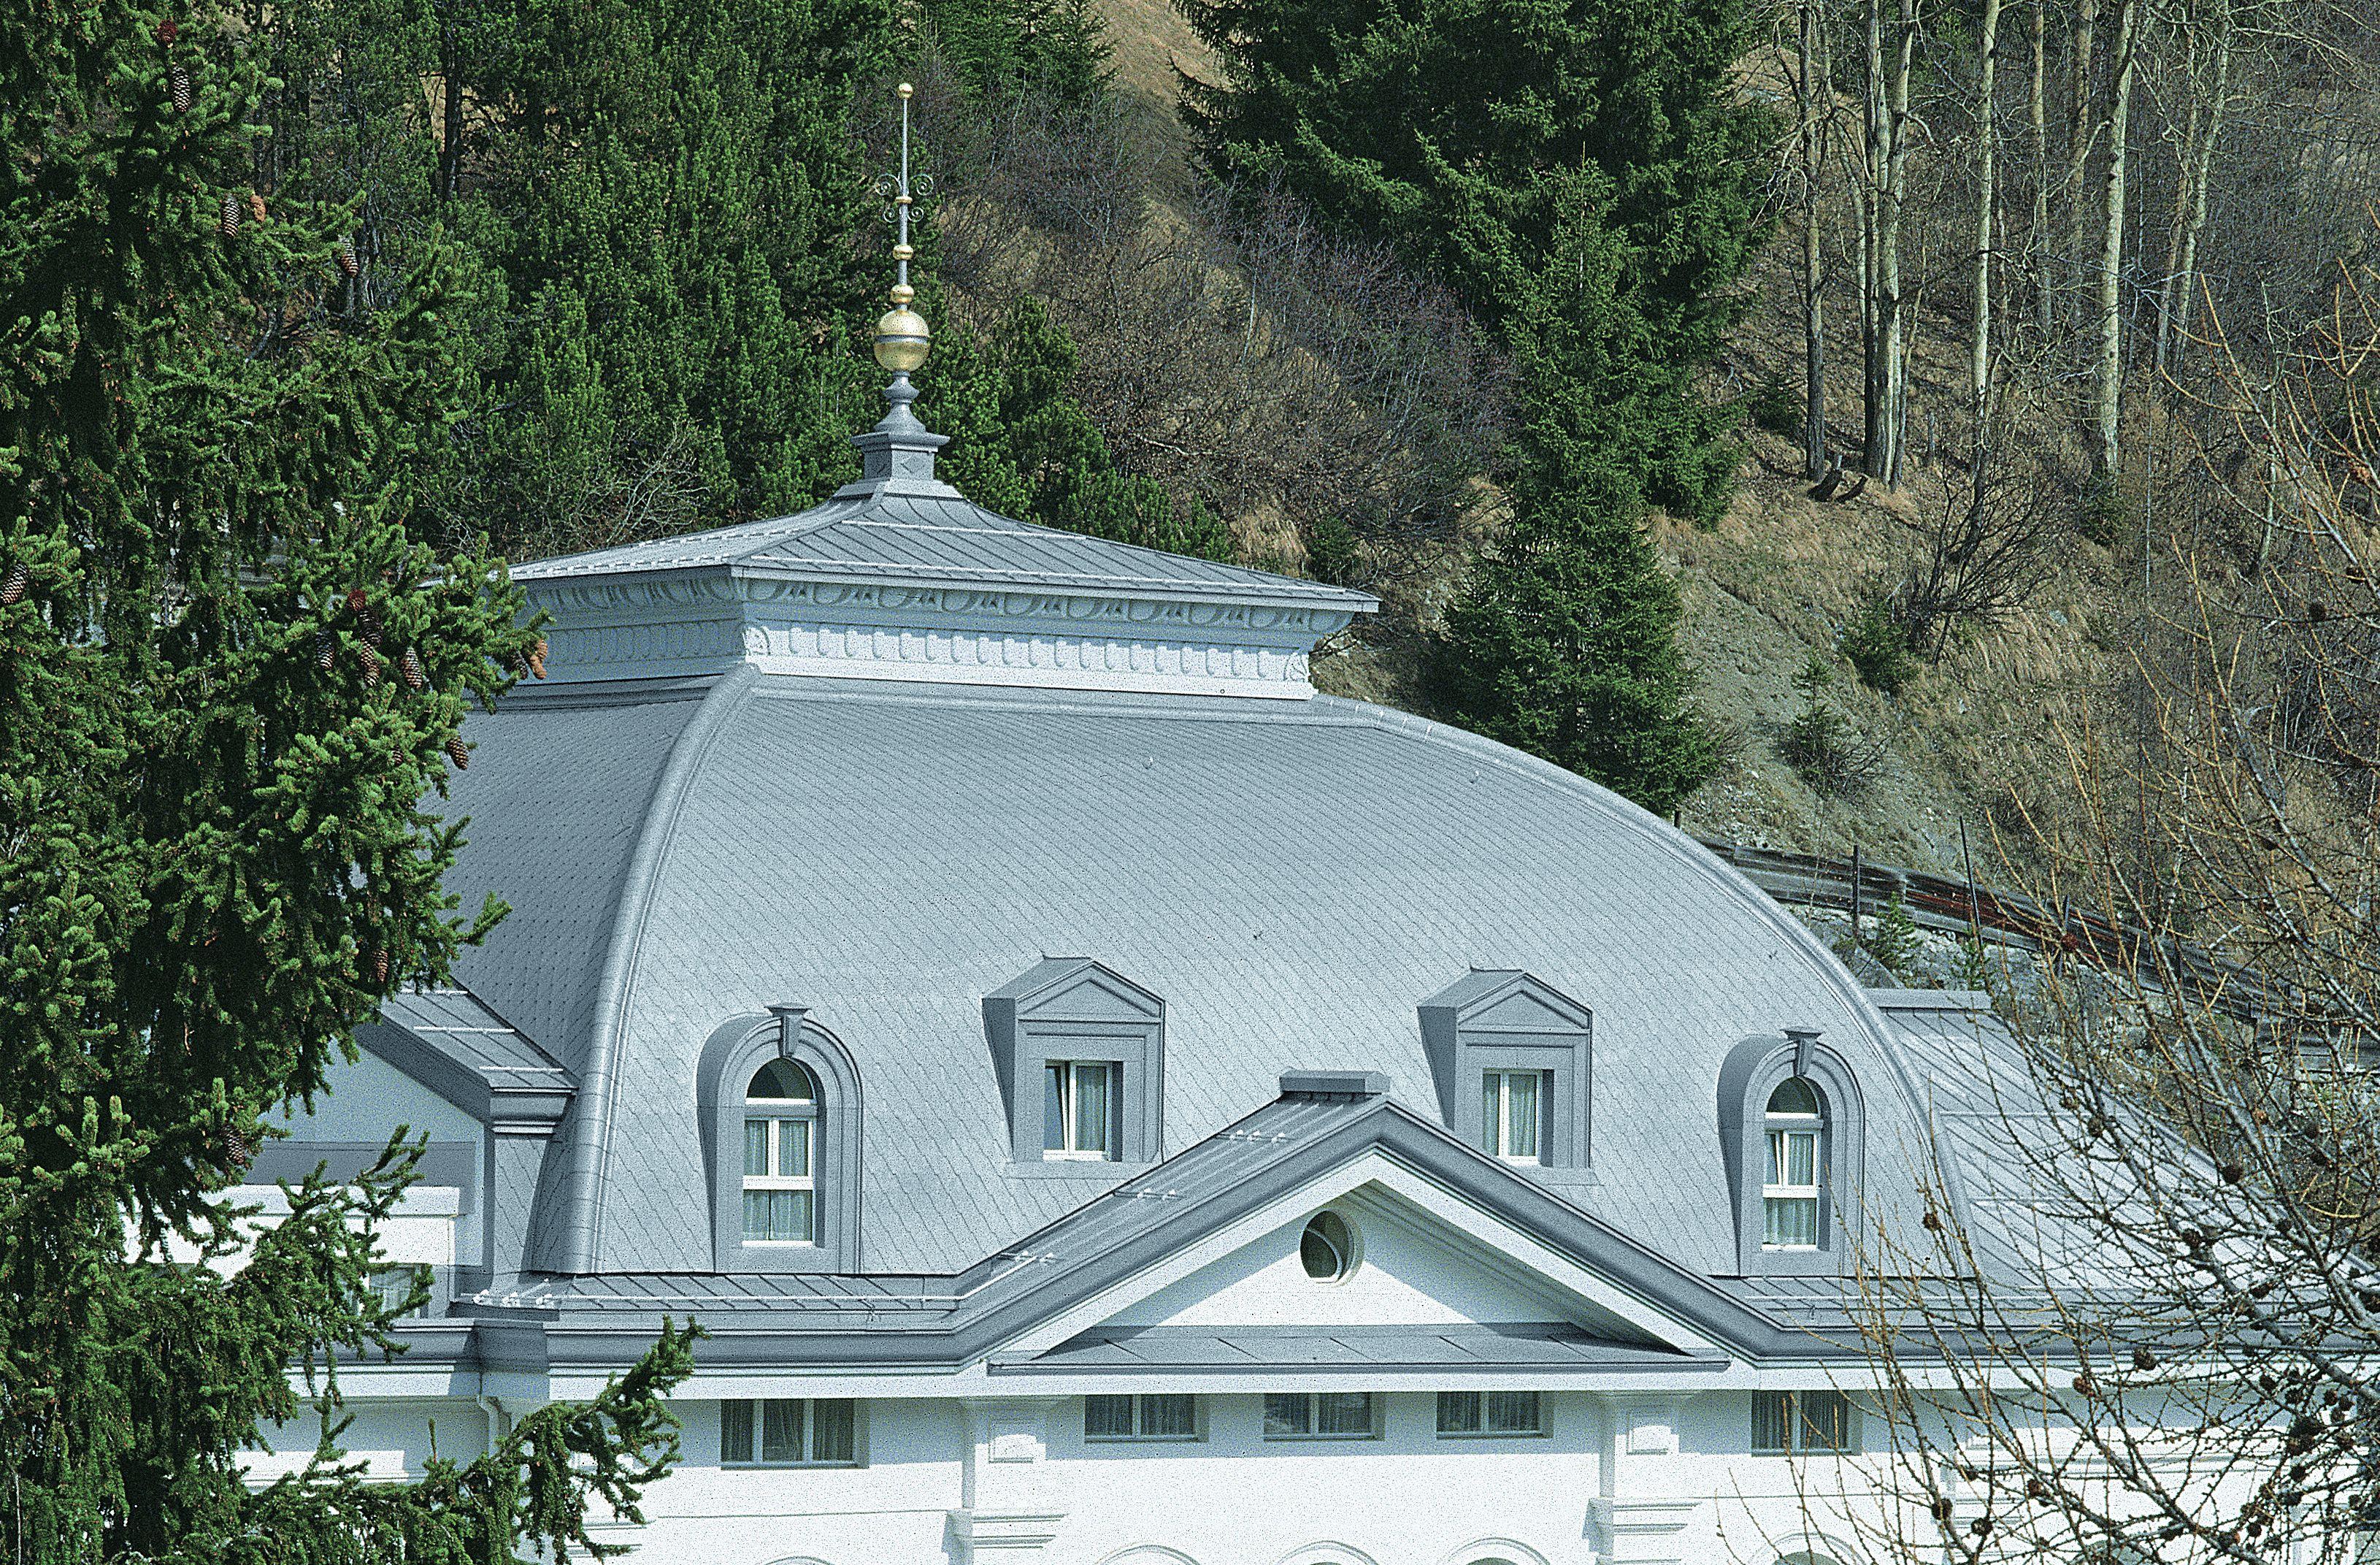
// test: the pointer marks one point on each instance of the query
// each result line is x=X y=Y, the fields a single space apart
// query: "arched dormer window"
x=1790 y=1126
x=1796 y=1133
x=780 y=1122
x=780 y=1105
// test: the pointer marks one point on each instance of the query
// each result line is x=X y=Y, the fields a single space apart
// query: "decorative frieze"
x=610 y=630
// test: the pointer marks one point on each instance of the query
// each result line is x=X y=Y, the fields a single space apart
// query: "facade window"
x=781 y=1117
x=1797 y=1422
x=1081 y=1108
x=822 y=1432
x=1788 y=1194
x=1321 y=1415
x=1488 y=1413
x=1512 y=1115
x=391 y=1286
x=1327 y=1248
x=1140 y=1418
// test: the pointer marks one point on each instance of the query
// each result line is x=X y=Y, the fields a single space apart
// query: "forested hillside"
x=1779 y=410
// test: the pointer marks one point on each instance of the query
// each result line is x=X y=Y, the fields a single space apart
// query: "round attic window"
x=1327 y=1248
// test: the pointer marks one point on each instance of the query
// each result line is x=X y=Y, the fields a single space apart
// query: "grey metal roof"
x=942 y=538
x=1283 y=1146
x=1292 y=877
x=449 y=1040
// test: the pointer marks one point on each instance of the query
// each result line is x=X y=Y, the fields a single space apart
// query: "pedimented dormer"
x=1080 y=1053
x=1513 y=1058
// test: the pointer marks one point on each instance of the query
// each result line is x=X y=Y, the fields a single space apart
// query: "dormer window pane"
x=780 y=1128
x=1790 y=1194
x=1509 y=1114
x=1078 y=1108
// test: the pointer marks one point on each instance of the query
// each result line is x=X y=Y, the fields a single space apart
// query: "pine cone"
x=536 y=658
x=410 y=664
x=371 y=666
x=367 y=620
x=168 y=30
x=458 y=752
x=256 y=206
x=14 y=587
x=348 y=256
x=379 y=966
x=355 y=600
x=324 y=649
x=228 y=224
x=178 y=81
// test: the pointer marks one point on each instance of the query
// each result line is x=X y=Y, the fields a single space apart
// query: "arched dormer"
x=781 y=1128
x=1791 y=1127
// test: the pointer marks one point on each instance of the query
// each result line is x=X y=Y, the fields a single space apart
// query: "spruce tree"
x=1454 y=127
x=680 y=235
x=1563 y=641
x=1022 y=444
x=227 y=675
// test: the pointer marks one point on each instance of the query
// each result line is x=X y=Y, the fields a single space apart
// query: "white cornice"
x=710 y=621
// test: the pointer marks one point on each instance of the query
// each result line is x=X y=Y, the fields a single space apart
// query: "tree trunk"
x=2080 y=131
x=1875 y=413
x=2038 y=107
x=1814 y=86
x=1888 y=149
x=450 y=140
x=2107 y=389
x=2180 y=282
x=1979 y=365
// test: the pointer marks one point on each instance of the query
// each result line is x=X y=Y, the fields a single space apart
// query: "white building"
x=1106 y=1102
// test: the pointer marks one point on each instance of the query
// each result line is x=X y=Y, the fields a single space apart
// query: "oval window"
x=1327 y=1248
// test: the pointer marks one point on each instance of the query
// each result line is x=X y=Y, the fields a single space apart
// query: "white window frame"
x=1788 y=1408
x=756 y=1411
x=1372 y=1413
x=1482 y=1403
x=1070 y=1075
x=1778 y=1132
x=1497 y=1130
x=778 y=1113
x=1141 y=1434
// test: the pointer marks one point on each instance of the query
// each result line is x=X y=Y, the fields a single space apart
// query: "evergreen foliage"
x=1022 y=446
x=227 y=674
x=1563 y=642
x=1461 y=130
x=679 y=244
x=1580 y=174
x=1057 y=50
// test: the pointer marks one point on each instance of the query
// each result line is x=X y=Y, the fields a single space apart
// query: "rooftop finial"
x=902 y=337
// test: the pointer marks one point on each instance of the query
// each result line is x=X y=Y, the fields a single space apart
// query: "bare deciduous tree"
x=2157 y=1337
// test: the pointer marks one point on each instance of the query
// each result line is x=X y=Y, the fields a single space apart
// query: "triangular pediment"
x=1439 y=1277
x=1063 y=989
x=1489 y=1001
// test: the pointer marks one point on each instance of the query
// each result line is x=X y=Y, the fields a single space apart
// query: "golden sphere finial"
x=903 y=338
x=905 y=90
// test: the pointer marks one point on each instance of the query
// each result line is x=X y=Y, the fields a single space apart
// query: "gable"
x=1410 y=1271
x=1093 y=996
x=1428 y=1258
x=1522 y=1011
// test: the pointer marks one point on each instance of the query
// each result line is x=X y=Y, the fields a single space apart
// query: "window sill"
x=1143 y=1439
x=1491 y=1434
x=780 y=1243
x=1320 y=1439
x=1074 y=1168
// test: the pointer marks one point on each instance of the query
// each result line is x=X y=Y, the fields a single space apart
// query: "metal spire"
x=902 y=337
